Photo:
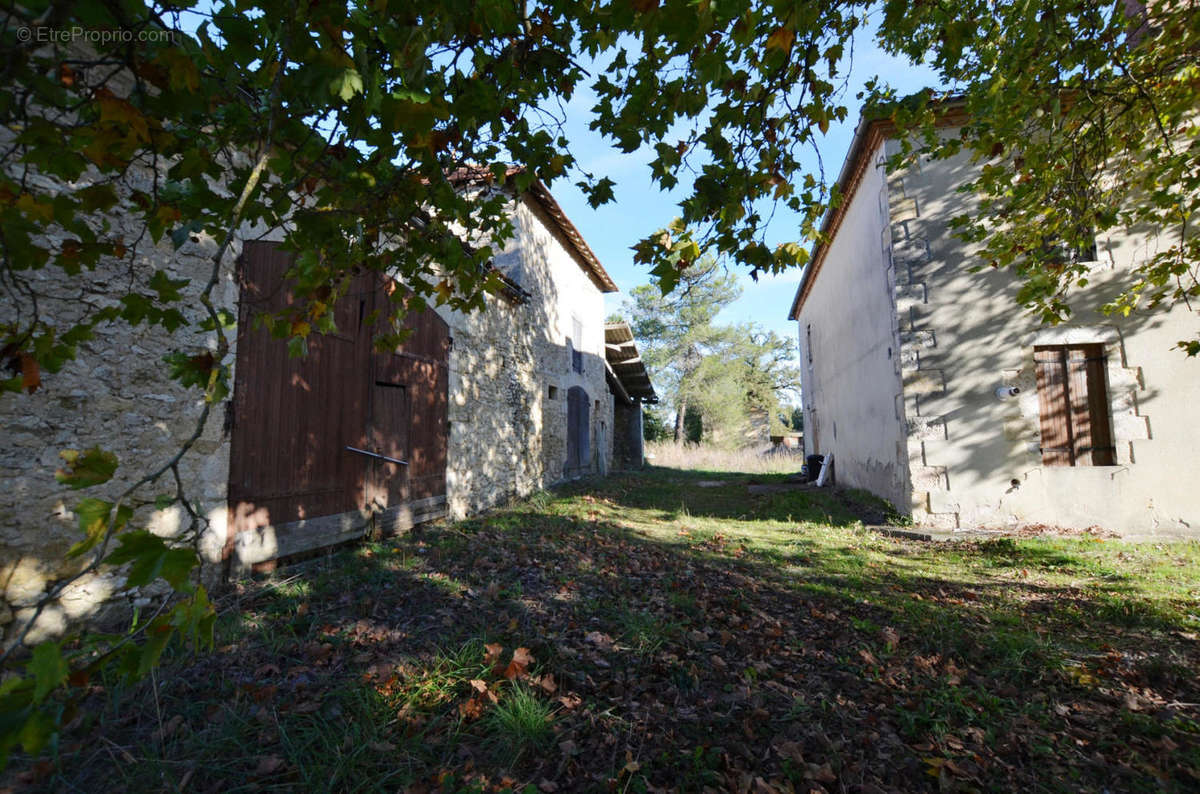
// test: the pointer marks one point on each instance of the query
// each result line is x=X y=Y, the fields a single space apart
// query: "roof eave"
x=872 y=130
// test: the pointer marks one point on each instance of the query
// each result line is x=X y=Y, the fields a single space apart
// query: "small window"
x=1073 y=405
x=553 y=393
x=577 y=355
x=509 y=263
x=808 y=342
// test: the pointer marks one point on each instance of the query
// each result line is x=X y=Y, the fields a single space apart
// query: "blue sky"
x=640 y=208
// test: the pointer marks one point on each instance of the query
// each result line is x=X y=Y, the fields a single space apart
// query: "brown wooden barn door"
x=409 y=398
x=316 y=440
x=387 y=437
x=286 y=462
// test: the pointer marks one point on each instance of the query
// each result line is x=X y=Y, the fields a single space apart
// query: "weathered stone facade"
x=970 y=458
x=511 y=367
x=907 y=241
x=115 y=395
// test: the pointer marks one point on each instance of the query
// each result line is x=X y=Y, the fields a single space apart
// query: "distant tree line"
x=722 y=383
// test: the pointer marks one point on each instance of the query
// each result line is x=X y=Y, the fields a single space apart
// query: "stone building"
x=529 y=402
x=934 y=390
x=494 y=405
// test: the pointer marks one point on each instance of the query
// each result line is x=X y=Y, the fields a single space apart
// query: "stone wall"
x=510 y=369
x=116 y=394
x=923 y=380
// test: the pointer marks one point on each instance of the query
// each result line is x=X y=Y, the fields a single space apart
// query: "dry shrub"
x=699 y=457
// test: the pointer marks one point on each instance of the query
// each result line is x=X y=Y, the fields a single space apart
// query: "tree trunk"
x=679 y=433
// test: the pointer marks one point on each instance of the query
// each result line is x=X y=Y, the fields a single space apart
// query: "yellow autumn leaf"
x=123 y=114
x=35 y=209
x=781 y=39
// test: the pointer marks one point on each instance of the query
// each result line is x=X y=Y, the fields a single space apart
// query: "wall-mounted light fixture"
x=1007 y=392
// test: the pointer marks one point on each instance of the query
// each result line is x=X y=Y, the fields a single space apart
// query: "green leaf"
x=48 y=669
x=409 y=95
x=158 y=634
x=93 y=516
x=195 y=617
x=37 y=732
x=182 y=234
x=93 y=198
x=167 y=287
x=84 y=469
x=150 y=558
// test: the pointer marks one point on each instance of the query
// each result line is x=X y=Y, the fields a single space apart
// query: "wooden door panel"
x=294 y=417
x=289 y=411
x=387 y=436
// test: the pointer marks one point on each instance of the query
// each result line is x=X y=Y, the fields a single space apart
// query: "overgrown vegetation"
x=724 y=382
x=695 y=457
x=645 y=632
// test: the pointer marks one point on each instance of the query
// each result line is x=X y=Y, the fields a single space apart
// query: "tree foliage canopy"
x=721 y=376
x=372 y=133
x=1083 y=117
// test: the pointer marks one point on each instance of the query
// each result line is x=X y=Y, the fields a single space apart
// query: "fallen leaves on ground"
x=681 y=660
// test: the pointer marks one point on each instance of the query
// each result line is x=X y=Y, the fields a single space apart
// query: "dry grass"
x=753 y=460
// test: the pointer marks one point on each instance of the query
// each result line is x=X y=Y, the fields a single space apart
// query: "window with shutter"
x=1073 y=405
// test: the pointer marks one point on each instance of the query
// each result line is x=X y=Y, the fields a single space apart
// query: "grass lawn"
x=645 y=633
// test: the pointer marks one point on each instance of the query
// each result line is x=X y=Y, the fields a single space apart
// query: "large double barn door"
x=324 y=444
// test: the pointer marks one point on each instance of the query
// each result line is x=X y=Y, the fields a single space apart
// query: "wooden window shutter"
x=1052 y=403
x=1103 y=452
x=1073 y=404
x=1079 y=408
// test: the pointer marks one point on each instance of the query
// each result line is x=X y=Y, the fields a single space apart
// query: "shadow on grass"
x=675 y=494
x=827 y=657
